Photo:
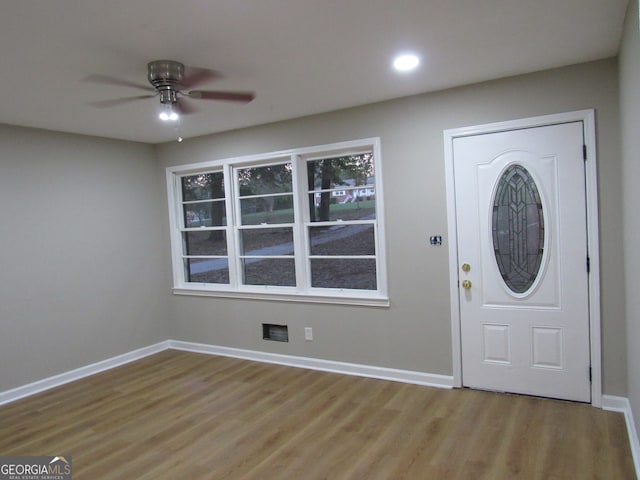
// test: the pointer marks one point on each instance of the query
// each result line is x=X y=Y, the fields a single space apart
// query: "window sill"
x=368 y=301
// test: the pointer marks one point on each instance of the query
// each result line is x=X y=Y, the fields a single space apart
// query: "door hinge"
x=590 y=374
x=584 y=152
x=588 y=265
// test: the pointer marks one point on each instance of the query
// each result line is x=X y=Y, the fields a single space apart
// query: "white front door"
x=522 y=253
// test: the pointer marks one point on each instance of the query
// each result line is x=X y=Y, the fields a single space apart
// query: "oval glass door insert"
x=518 y=228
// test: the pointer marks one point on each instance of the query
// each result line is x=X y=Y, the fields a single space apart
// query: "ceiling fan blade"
x=184 y=108
x=114 y=102
x=107 y=80
x=195 y=76
x=245 y=97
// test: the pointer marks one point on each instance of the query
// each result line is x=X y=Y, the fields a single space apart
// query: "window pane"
x=275 y=271
x=323 y=208
x=207 y=214
x=212 y=242
x=265 y=180
x=266 y=241
x=344 y=273
x=518 y=228
x=343 y=240
x=347 y=171
x=203 y=186
x=209 y=270
x=275 y=209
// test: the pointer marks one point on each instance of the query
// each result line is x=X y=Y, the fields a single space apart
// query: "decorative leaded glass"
x=518 y=228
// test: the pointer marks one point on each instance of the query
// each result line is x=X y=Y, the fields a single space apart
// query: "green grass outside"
x=344 y=211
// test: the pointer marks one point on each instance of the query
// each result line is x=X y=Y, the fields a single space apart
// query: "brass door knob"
x=466 y=284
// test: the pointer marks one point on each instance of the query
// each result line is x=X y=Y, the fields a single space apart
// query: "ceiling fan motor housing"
x=164 y=75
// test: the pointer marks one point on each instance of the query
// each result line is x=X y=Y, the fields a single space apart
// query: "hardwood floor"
x=192 y=416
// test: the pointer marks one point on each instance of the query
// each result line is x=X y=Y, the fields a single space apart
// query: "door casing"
x=587 y=117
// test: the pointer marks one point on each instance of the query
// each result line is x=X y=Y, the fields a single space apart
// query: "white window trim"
x=377 y=298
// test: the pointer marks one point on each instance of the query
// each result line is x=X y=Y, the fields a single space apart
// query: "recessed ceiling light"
x=406 y=62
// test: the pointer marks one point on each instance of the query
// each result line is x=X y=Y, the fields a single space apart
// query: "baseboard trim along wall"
x=621 y=404
x=609 y=402
x=406 y=376
x=57 y=380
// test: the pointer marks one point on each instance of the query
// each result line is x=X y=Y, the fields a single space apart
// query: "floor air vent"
x=277 y=333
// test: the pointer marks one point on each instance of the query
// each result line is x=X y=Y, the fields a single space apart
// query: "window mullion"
x=264 y=195
x=232 y=234
x=299 y=214
x=208 y=200
x=237 y=223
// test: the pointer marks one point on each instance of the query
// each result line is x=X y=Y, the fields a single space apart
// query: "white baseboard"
x=57 y=380
x=621 y=404
x=406 y=376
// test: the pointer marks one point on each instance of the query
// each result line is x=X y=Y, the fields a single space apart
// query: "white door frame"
x=588 y=119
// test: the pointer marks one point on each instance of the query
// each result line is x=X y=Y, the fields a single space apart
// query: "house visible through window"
x=305 y=224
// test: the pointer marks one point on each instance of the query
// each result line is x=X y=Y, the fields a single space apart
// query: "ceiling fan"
x=172 y=83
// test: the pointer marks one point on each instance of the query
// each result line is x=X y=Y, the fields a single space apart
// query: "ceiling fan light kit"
x=168 y=115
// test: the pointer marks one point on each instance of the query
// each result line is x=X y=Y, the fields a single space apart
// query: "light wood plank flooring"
x=191 y=416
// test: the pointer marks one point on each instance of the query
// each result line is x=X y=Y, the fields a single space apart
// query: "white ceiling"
x=299 y=56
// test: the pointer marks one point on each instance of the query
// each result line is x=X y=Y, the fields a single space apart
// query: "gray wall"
x=415 y=332
x=85 y=251
x=630 y=128
x=82 y=268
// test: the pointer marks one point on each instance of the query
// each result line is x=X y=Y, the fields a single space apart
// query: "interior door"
x=522 y=254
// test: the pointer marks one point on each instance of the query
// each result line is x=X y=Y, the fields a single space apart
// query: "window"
x=204 y=235
x=300 y=225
